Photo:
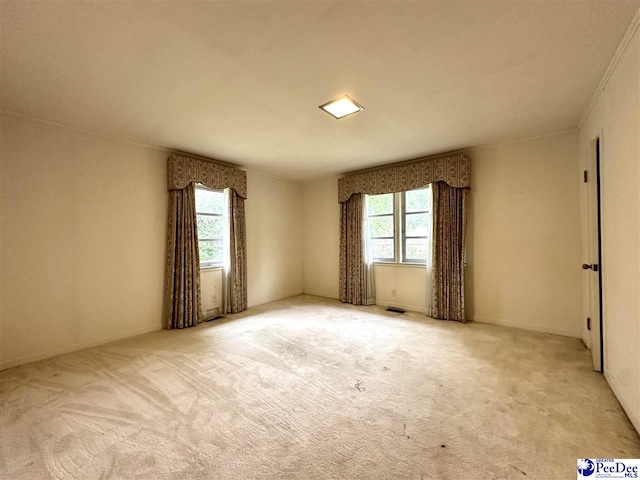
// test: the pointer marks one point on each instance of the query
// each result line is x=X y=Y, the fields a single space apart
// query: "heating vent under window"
x=212 y=313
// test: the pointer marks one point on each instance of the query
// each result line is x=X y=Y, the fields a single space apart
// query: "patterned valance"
x=183 y=170
x=455 y=170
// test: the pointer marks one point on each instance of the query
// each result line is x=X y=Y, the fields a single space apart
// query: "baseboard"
x=321 y=294
x=279 y=297
x=626 y=404
x=379 y=302
x=292 y=294
x=54 y=352
x=532 y=327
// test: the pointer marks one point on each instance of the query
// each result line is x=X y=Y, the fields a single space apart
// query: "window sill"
x=211 y=268
x=398 y=264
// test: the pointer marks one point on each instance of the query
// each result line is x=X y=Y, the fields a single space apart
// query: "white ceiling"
x=241 y=81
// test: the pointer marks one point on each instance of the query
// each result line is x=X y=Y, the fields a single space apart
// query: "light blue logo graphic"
x=585 y=467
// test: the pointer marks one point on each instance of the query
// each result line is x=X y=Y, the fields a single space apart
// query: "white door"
x=592 y=266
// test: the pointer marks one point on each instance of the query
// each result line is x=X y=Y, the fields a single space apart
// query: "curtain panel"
x=237 y=278
x=449 y=229
x=183 y=302
x=356 y=283
x=455 y=170
x=450 y=177
x=183 y=261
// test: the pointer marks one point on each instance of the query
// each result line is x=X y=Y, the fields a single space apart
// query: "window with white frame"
x=210 y=213
x=381 y=213
x=400 y=226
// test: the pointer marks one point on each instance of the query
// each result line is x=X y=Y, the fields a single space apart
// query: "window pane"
x=210 y=251
x=381 y=226
x=209 y=202
x=209 y=227
x=418 y=200
x=416 y=224
x=380 y=204
x=382 y=248
x=416 y=249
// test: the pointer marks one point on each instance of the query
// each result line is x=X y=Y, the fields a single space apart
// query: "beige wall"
x=274 y=244
x=83 y=239
x=524 y=235
x=83 y=231
x=211 y=292
x=408 y=282
x=274 y=238
x=616 y=117
x=321 y=217
x=322 y=253
x=523 y=239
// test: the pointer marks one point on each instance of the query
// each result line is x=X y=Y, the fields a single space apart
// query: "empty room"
x=320 y=239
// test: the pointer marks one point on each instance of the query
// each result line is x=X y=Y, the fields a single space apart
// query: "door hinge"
x=588 y=323
x=585 y=176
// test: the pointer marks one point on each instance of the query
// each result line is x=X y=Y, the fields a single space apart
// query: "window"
x=210 y=213
x=400 y=226
x=416 y=225
x=381 y=212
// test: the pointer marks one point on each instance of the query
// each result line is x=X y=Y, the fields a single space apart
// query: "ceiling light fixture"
x=342 y=107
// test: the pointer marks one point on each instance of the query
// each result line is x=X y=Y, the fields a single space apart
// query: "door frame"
x=595 y=293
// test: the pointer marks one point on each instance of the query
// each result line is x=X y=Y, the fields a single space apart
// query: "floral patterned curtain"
x=235 y=294
x=356 y=275
x=449 y=230
x=183 y=259
x=183 y=170
x=455 y=170
x=450 y=177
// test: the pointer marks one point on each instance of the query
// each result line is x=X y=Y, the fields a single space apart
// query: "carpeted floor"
x=310 y=388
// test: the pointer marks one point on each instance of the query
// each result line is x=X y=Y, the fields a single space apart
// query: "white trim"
x=280 y=297
x=84 y=131
x=634 y=416
x=211 y=268
x=452 y=152
x=531 y=327
x=423 y=266
x=381 y=303
x=269 y=175
x=8 y=113
x=320 y=179
x=54 y=352
x=622 y=47
x=521 y=140
x=333 y=296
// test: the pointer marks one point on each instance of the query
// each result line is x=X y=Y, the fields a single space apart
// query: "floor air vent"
x=213 y=314
x=395 y=309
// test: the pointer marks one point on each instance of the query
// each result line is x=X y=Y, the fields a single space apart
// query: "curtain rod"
x=406 y=162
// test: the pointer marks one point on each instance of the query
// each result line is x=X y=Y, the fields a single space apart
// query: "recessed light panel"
x=341 y=107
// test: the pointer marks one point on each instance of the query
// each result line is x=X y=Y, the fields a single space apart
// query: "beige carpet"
x=309 y=388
